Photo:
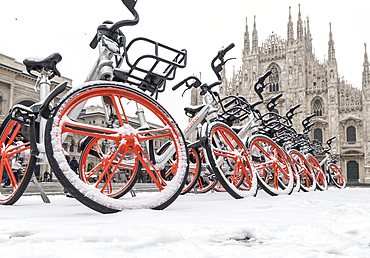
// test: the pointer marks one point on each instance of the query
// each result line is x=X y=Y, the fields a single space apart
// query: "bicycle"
x=280 y=128
x=225 y=155
x=333 y=173
x=128 y=144
x=305 y=145
x=274 y=172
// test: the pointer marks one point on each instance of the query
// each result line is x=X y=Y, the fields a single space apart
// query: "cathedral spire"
x=366 y=71
x=246 y=38
x=299 y=25
x=223 y=86
x=331 y=50
x=290 y=28
x=254 y=38
x=308 y=37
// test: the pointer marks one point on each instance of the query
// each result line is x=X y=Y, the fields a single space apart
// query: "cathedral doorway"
x=352 y=172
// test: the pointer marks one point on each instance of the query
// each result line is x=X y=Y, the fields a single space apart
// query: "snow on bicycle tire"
x=126 y=140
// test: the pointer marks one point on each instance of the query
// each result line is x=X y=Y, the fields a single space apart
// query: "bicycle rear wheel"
x=95 y=153
x=206 y=180
x=296 y=181
x=14 y=152
x=194 y=167
x=130 y=138
x=321 y=182
x=194 y=170
x=306 y=176
x=274 y=173
x=336 y=176
x=230 y=160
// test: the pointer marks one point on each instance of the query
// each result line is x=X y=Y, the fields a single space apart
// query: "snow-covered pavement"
x=334 y=223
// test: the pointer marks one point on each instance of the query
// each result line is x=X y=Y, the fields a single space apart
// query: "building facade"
x=341 y=109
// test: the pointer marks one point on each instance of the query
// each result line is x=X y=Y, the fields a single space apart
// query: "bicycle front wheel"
x=230 y=160
x=134 y=126
x=336 y=176
x=306 y=176
x=16 y=164
x=321 y=182
x=274 y=173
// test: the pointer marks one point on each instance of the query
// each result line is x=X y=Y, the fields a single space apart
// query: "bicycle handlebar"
x=130 y=4
x=306 y=121
x=216 y=69
x=220 y=56
x=272 y=103
x=195 y=84
x=291 y=113
x=261 y=82
x=113 y=31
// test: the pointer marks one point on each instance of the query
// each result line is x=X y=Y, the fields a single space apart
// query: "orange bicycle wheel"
x=131 y=139
x=16 y=164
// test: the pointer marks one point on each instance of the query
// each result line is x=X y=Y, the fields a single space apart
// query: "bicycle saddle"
x=48 y=64
x=191 y=111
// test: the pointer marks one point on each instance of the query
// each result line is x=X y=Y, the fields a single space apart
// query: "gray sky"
x=40 y=27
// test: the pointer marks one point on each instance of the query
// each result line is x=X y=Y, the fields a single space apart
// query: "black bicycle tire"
x=227 y=185
x=333 y=181
x=101 y=205
x=189 y=187
x=22 y=186
x=318 y=186
x=271 y=191
x=303 y=187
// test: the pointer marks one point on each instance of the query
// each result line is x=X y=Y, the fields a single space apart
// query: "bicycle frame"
x=207 y=113
x=326 y=161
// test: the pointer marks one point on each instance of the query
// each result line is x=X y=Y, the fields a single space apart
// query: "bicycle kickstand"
x=42 y=192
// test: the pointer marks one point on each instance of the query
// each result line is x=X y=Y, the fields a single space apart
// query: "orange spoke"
x=259 y=147
x=94 y=170
x=140 y=153
x=153 y=134
x=89 y=130
x=228 y=143
x=224 y=153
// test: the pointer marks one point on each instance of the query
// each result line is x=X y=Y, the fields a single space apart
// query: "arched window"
x=352 y=171
x=274 y=79
x=317 y=134
x=317 y=107
x=351 y=134
x=72 y=146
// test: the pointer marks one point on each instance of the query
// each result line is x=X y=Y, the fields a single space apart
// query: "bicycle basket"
x=275 y=124
x=233 y=110
x=334 y=158
x=316 y=147
x=150 y=71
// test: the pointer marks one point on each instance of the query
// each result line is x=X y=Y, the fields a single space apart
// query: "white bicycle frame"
x=101 y=70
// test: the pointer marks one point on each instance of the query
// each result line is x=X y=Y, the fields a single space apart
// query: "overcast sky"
x=40 y=27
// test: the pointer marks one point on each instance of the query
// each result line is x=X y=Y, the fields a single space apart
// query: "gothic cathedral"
x=340 y=109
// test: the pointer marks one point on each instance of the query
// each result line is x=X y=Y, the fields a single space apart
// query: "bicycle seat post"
x=44 y=85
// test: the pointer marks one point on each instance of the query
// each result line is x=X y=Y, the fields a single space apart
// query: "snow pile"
x=334 y=223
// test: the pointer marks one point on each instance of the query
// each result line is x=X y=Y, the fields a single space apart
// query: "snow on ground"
x=334 y=223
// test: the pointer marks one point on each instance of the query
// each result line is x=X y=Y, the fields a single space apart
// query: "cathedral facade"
x=340 y=109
